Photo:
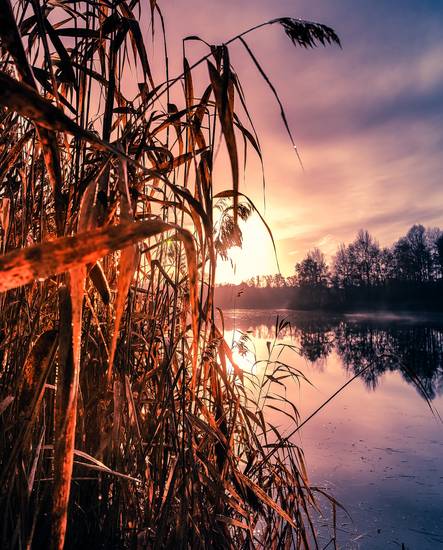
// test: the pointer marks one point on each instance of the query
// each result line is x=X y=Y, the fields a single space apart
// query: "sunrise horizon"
x=221 y=274
x=366 y=120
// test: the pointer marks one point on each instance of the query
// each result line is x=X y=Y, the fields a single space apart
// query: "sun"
x=255 y=257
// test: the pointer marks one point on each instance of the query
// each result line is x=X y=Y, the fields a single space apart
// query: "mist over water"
x=377 y=446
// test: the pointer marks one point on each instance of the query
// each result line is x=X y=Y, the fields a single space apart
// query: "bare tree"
x=313 y=270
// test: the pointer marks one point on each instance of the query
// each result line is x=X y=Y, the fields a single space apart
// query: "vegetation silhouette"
x=362 y=276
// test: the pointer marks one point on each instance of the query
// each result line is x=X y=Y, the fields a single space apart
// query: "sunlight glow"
x=245 y=361
x=256 y=257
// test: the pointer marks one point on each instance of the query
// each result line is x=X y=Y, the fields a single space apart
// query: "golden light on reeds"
x=123 y=422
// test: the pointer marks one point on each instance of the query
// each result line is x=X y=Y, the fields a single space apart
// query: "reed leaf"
x=23 y=266
x=126 y=420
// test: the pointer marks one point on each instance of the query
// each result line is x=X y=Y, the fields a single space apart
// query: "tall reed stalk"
x=124 y=418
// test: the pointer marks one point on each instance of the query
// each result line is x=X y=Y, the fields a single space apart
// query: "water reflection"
x=370 y=346
x=415 y=351
x=378 y=453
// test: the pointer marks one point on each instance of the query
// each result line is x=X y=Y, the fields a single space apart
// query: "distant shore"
x=399 y=297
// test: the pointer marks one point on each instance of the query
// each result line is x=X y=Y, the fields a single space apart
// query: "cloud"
x=367 y=119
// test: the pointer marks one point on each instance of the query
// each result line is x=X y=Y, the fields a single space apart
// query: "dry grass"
x=124 y=422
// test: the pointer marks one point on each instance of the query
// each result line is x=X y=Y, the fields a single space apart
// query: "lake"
x=377 y=447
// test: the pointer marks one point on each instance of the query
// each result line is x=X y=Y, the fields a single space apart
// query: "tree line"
x=408 y=274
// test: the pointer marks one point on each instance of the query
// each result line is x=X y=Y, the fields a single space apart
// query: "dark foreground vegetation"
x=124 y=420
x=362 y=276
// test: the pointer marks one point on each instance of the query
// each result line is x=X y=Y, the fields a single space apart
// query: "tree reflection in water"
x=415 y=349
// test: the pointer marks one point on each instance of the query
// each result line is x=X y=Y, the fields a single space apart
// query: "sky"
x=367 y=120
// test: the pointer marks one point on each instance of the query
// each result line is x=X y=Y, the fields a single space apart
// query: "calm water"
x=377 y=447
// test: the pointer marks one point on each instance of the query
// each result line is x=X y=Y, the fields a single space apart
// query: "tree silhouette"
x=413 y=256
x=313 y=270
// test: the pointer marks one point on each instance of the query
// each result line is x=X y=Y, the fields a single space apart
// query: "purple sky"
x=367 y=119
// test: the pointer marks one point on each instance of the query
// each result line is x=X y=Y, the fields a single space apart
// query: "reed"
x=124 y=418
